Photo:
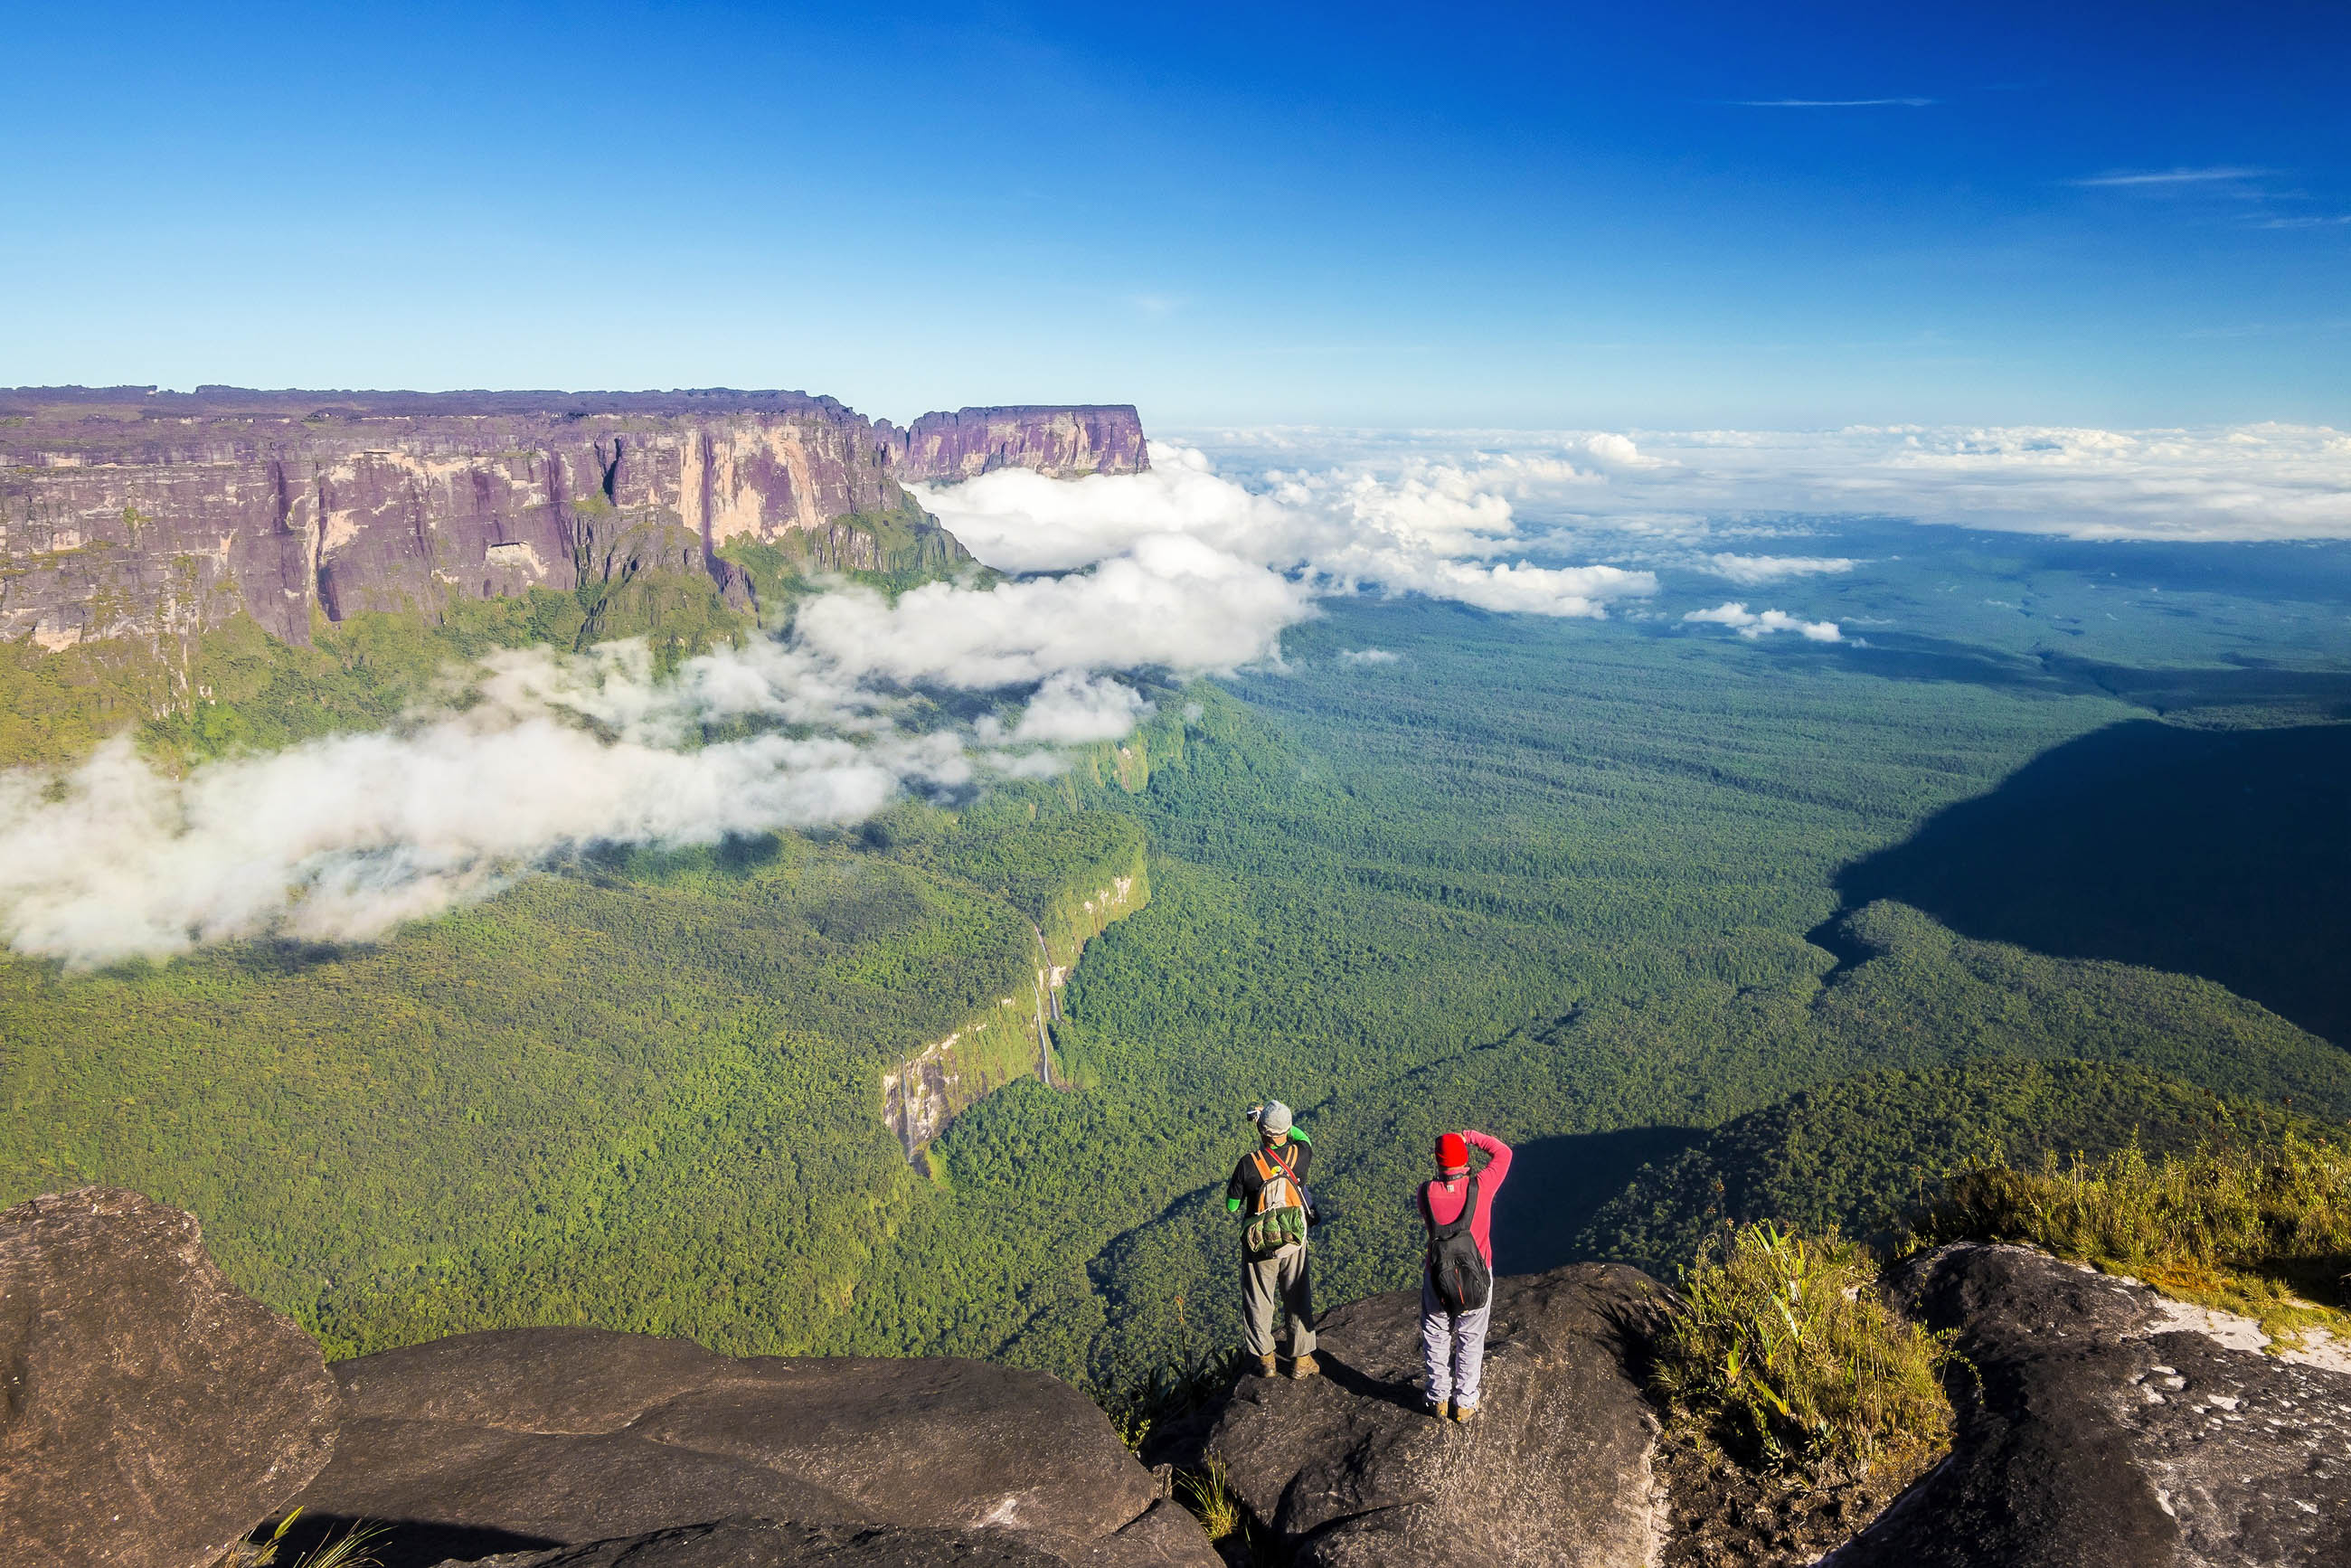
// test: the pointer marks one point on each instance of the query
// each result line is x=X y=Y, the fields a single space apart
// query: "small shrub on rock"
x=1173 y=1390
x=1781 y=1354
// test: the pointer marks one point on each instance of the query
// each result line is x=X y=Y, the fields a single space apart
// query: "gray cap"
x=1273 y=1117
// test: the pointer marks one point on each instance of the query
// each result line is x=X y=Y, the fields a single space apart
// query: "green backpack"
x=1279 y=1219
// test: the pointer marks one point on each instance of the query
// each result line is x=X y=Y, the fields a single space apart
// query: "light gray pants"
x=1279 y=1280
x=1453 y=1348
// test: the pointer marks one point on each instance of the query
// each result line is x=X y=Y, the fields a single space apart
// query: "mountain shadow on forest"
x=2225 y=854
x=1557 y=1185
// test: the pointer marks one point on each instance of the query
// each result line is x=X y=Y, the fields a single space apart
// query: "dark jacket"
x=1298 y=1154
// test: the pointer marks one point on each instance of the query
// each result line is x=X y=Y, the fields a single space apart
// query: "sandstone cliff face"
x=940 y=448
x=150 y=514
x=942 y=1079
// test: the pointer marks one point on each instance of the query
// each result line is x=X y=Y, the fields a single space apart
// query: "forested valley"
x=1713 y=928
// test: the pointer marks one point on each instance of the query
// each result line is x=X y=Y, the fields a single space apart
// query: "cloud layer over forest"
x=2238 y=484
x=1176 y=572
x=1439 y=529
x=1195 y=567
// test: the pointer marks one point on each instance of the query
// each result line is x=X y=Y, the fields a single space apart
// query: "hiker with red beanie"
x=1457 y=1288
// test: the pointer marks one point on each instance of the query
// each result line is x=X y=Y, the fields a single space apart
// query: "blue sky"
x=1788 y=215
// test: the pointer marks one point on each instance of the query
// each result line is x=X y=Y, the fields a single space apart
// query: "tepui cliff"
x=126 y=510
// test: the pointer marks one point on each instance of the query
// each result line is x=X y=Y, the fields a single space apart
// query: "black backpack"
x=1457 y=1271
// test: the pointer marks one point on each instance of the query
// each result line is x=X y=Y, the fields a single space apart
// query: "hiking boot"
x=1463 y=1413
x=1266 y=1366
x=1436 y=1409
x=1305 y=1366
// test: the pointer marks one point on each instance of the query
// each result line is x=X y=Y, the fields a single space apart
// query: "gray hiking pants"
x=1283 y=1281
x=1453 y=1348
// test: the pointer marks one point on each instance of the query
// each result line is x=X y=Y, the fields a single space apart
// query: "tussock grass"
x=2262 y=1230
x=1209 y=1495
x=351 y=1548
x=1781 y=1354
x=1173 y=1389
x=1238 y=1535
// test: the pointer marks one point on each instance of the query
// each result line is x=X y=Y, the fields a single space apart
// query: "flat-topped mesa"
x=1101 y=438
x=127 y=510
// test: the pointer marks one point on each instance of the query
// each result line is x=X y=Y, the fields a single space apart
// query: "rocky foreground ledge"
x=154 y=1416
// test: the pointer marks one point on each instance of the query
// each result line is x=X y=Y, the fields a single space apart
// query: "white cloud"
x=1577 y=590
x=2172 y=177
x=2213 y=483
x=1749 y=625
x=342 y=839
x=1367 y=657
x=1070 y=710
x=1423 y=527
x=1753 y=570
x=1833 y=102
x=1165 y=600
x=1618 y=452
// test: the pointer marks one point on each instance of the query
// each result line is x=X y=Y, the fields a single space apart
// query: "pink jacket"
x=1440 y=1201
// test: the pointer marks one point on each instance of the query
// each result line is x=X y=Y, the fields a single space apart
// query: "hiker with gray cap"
x=1269 y=1184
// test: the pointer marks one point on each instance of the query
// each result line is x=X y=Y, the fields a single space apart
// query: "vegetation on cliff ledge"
x=2246 y=1224
x=1781 y=1350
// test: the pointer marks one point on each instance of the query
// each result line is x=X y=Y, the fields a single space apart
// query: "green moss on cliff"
x=892 y=551
x=56 y=707
x=236 y=687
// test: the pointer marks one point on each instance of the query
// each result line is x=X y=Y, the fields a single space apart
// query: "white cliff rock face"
x=921 y=1094
x=1112 y=897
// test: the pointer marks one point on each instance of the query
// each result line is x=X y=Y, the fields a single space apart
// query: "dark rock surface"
x=152 y=1411
x=768 y=1543
x=2106 y=1435
x=772 y=1544
x=542 y=1438
x=124 y=510
x=1348 y=1470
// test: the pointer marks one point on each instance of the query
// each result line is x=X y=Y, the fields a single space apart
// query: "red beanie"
x=1452 y=1153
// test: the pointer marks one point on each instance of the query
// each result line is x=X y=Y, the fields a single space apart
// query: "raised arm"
x=1498 y=1158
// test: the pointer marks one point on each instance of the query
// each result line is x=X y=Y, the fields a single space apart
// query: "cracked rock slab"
x=2105 y=1435
x=537 y=1438
x=770 y=1543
